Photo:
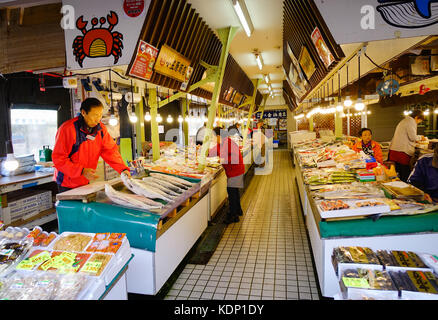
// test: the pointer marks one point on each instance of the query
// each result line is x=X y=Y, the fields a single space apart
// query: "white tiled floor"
x=264 y=256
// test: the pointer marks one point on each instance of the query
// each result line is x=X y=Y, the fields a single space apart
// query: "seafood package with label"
x=350 y=208
x=349 y=257
x=416 y=284
x=361 y=283
x=401 y=260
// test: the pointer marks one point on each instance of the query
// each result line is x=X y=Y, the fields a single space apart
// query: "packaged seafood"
x=354 y=257
x=360 y=283
x=430 y=260
x=350 y=208
x=396 y=260
x=96 y=264
x=75 y=242
x=416 y=285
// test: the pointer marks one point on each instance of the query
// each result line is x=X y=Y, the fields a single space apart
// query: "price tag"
x=40 y=258
x=92 y=267
x=46 y=265
x=25 y=265
x=356 y=282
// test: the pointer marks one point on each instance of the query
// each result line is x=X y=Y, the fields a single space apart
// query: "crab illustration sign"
x=372 y=20
x=104 y=36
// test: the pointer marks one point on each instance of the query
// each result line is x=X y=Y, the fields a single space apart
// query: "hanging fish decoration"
x=131 y=200
x=409 y=14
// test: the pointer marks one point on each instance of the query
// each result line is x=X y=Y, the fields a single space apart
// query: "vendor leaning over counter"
x=402 y=146
x=368 y=146
x=78 y=145
x=425 y=175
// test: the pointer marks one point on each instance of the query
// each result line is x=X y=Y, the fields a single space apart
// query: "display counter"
x=418 y=233
x=159 y=244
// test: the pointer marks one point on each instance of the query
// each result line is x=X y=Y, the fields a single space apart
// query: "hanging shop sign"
x=272 y=114
x=295 y=76
x=306 y=62
x=172 y=64
x=322 y=48
x=184 y=85
x=237 y=98
x=373 y=20
x=102 y=36
x=228 y=95
x=145 y=58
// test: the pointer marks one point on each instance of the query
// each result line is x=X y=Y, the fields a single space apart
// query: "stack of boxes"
x=26 y=205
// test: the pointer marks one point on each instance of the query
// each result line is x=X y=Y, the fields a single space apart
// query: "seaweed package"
x=363 y=255
x=401 y=281
x=403 y=259
x=424 y=282
x=386 y=258
x=380 y=280
x=416 y=259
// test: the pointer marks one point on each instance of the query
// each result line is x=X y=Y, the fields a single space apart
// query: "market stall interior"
x=329 y=137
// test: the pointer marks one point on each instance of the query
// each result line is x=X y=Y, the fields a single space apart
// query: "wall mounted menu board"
x=172 y=64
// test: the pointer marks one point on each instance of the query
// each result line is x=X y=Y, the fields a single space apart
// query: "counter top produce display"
x=71 y=266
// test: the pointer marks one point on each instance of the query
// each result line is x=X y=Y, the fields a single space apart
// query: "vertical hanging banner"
x=144 y=61
x=322 y=48
x=373 y=20
x=102 y=35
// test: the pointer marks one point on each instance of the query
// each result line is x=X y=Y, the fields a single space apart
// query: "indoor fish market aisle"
x=264 y=256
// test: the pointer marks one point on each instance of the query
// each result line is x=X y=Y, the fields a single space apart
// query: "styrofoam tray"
x=353 y=210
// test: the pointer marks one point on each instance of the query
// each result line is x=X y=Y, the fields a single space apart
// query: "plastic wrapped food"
x=69 y=287
x=106 y=242
x=65 y=262
x=96 y=264
x=415 y=281
x=47 y=241
x=12 y=253
x=430 y=260
x=355 y=255
x=405 y=259
x=40 y=238
x=72 y=242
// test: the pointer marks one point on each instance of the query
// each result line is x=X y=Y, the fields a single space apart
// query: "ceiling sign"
x=172 y=64
x=306 y=62
x=102 y=36
x=144 y=62
x=372 y=20
x=322 y=48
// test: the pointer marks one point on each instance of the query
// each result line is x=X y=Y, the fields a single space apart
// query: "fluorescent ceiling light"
x=243 y=15
x=266 y=76
x=259 y=60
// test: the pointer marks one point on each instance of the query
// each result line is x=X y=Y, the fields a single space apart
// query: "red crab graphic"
x=98 y=42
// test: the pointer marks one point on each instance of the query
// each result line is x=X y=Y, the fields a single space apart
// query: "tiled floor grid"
x=264 y=256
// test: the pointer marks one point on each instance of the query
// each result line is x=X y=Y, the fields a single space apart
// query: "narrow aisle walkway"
x=264 y=256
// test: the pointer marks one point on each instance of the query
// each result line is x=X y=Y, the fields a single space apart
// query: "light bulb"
x=348 y=103
x=113 y=121
x=169 y=119
x=436 y=111
x=11 y=164
x=340 y=108
x=359 y=106
x=426 y=113
x=159 y=118
x=406 y=113
x=180 y=119
x=147 y=116
x=133 y=118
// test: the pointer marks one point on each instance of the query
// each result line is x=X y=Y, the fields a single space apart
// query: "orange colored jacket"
x=76 y=149
x=376 y=149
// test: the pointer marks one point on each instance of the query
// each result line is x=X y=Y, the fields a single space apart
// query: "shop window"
x=33 y=128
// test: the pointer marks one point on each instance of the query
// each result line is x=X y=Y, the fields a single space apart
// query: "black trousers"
x=403 y=171
x=234 y=208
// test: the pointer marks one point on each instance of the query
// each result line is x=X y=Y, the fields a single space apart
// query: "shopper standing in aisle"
x=79 y=143
x=232 y=161
x=259 y=143
x=402 y=146
x=235 y=130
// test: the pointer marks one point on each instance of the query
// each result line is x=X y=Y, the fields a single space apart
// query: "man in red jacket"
x=232 y=161
x=78 y=145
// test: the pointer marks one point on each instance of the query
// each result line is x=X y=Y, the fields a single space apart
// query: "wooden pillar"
x=154 y=125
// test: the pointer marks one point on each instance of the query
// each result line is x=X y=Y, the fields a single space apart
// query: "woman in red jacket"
x=368 y=146
x=232 y=161
x=79 y=143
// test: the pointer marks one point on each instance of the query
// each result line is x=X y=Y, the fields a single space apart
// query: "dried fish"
x=172 y=179
x=131 y=200
x=154 y=184
x=166 y=184
x=140 y=188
